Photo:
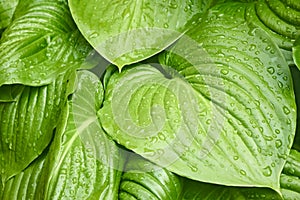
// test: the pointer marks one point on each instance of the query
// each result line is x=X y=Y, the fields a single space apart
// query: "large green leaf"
x=222 y=111
x=41 y=43
x=27 y=124
x=82 y=162
x=145 y=180
x=7 y=9
x=126 y=32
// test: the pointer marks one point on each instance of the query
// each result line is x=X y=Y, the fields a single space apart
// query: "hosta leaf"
x=27 y=124
x=222 y=112
x=82 y=162
x=144 y=180
x=126 y=32
x=7 y=9
x=24 y=185
x=278 y=19
x=41 y=43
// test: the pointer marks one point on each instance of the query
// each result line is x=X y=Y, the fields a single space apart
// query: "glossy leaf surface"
x=229 y=93
x=126 y=32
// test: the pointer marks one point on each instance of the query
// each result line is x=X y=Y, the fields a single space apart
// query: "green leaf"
x=126 y=32
x=82 y=162
x=279 y=19
x=296 y=52
x=7 y=9
x=196 y=190
x=41 y=43
x=290 y=177
x=289 y=186
x=24 y=185
x=223 y=110
x=296 y=80
x=145 y=180
x=27 y=124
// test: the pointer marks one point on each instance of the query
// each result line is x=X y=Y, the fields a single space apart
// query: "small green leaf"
x=27 y=124
x=82 y=162
x=41 y=43
x=226 y=103
x=144 y=180
x=126 y=32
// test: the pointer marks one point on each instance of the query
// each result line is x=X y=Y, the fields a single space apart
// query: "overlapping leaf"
x=126 y=32
x=222 y=112
x=25 y=184
x=145 y=180
x=27 y=124
x=82 y=162
x=280 y=19
x=41 y=43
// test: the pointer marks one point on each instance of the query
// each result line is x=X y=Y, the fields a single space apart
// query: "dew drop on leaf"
x=243 y=172
x=267 y=171
x=224 y=71
x=286 y=110
x=278 y=143
x=271 y=70
x=235 y=157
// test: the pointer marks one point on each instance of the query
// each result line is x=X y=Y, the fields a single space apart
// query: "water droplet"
x=278 y=143
x=243 y=172
x=252 y=47
x=224 y=71
x=208 y=122
x=271 y=70
x=93 y=35
x=193 y=168
x=173 y=5
x=267 y=171
x=161 y=136
x=235 y=157
x=286 y=110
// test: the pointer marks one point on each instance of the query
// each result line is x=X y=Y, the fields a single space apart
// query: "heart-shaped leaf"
x=41 y=43
x=222 y=111
x=126 y=32
x=27 y=124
